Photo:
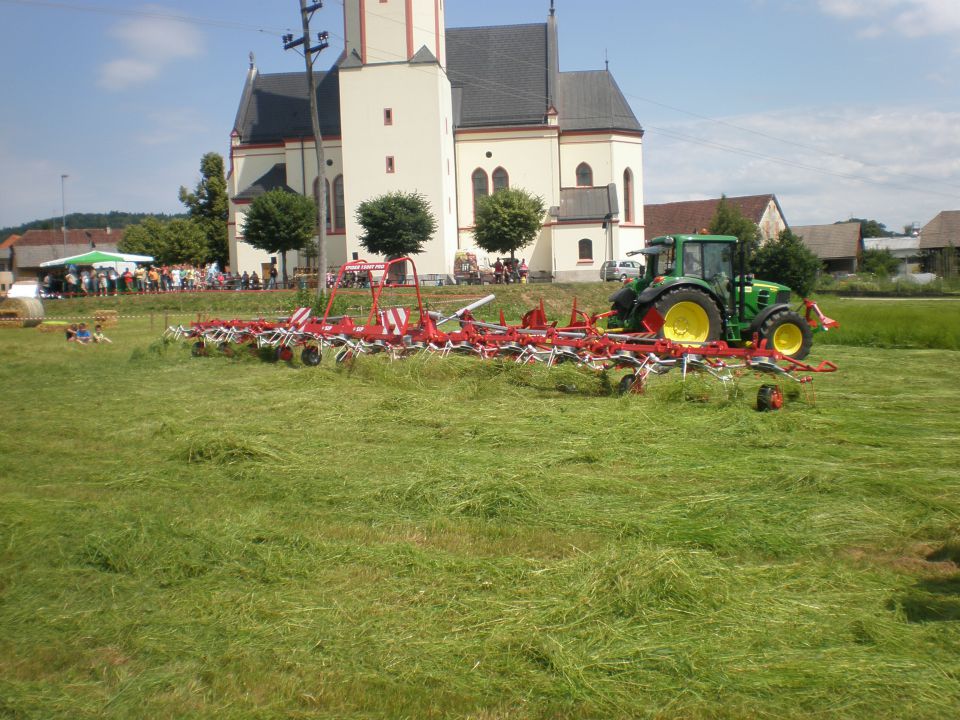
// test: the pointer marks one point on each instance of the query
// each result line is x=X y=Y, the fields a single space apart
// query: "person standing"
x=272 y=285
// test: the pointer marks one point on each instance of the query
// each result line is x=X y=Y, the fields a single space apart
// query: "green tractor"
x=690 y=294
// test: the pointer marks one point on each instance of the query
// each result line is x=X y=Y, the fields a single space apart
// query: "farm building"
x=27 y=251
x=906 y=248
x=839 y=245
x=691 y=216
x=453 y=114
x=939 y=240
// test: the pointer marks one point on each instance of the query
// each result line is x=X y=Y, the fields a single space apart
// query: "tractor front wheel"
x=788 y=334
x=689 y=316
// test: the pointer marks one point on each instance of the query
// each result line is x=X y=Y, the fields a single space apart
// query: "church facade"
x=453 y=114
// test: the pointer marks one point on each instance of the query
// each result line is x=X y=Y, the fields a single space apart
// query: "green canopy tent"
x=95 y=257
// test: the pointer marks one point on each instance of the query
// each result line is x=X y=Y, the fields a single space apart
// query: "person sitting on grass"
x=71 y=333
x=83 y=335
x=99 y=337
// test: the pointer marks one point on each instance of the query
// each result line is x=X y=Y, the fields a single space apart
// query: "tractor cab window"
x=717 y=259
x=693 y=259
x=660 y=260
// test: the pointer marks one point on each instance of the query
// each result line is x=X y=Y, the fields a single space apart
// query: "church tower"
x=396 y=116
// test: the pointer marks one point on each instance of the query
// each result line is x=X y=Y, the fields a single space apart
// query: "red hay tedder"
x=401 y=332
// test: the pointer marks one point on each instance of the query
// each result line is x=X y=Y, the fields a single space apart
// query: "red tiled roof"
x=12 y=240
x=693 y=215
x=74 y=237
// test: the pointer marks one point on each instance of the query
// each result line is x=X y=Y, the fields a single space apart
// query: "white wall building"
x=450 y=114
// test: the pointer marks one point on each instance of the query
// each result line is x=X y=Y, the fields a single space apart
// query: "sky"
x=841 y=108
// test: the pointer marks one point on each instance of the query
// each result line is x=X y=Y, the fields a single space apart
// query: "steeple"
x=392 y=31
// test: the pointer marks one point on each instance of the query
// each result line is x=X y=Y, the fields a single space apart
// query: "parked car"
x=620 y=270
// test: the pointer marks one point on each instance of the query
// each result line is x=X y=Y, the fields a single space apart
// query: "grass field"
x=216 y=537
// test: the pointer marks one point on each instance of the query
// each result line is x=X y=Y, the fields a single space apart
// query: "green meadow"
x=196 y=537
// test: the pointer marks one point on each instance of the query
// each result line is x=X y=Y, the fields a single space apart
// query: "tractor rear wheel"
x=689 y=316
x=788 y=334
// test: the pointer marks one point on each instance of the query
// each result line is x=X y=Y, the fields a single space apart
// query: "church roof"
x=591 y=100
x=501 y=76
x=588 y=204
x=275 y=178
x=502 y=71
x=274 y=106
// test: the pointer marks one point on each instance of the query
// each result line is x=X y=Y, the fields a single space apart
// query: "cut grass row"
x=201 y=537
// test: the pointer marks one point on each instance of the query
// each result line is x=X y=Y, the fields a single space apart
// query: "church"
x=452 y=114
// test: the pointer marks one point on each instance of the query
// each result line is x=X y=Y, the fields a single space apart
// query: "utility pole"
x=63 y=213
x=309 y=55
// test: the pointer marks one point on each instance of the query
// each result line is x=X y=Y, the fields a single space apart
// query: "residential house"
x=38 y=246
x=692 y=216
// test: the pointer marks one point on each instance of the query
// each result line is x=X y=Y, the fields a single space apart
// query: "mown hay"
x=21 y=312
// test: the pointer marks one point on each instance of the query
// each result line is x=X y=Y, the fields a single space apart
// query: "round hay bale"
x=21 y=312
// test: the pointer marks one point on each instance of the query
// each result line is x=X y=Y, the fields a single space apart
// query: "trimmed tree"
x=508 y=220
x=728 y=220
x=279 y=221
x=208 y=206
x=396 y=224
x=788 y=261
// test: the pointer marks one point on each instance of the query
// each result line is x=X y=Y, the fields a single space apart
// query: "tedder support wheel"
x=689 y=316
x=769 y=397
x=199 y=349
x=788 y=334
x=629 y=384
x=310 y=356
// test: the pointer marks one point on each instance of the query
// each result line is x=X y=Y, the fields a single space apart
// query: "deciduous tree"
x=208 y=206
x=508 y=220
x=396 y=224
x=279 y=221
x=728 y=220
x=788 y=261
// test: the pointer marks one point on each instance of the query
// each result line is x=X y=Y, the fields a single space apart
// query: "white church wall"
x=417 y=140
x=594 y=150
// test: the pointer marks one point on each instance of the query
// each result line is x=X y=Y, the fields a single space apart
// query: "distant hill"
x=112 y=219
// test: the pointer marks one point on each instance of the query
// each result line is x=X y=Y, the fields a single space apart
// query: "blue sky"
x=839 y=107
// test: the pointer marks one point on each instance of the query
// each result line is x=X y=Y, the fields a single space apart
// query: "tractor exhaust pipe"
x=743 y=281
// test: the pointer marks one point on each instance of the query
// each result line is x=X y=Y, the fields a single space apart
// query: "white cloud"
x=148 y=44
x=896 y=166
x=913 y=18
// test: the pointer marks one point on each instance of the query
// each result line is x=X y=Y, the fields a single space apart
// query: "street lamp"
x=63 y=216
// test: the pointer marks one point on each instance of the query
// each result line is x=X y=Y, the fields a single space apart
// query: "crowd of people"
x=509 y=270
x=153 y=279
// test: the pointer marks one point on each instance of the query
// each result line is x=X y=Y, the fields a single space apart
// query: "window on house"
x=340 y=220
x=501 y=181
x=388 y=116
x=584 y=175
x=585 y=249
x=480 y=187
x=628 y=196
x=391 y=166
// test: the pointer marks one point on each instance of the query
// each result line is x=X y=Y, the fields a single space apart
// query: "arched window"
x=584 y=175
x=480 y=187
x=339 y=215
x=585 y=249
x=627 y=196
x=501 y=181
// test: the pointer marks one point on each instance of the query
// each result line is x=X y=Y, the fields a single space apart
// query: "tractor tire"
x=689 y=316
x=788 y=334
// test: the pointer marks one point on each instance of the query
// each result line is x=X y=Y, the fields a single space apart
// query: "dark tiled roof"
x=587 y=204
x=693 y=215
x=503 y=73
x=943 y=231
x=275 y=178
x=831 y=242
x=593 y=101
x=275 y=107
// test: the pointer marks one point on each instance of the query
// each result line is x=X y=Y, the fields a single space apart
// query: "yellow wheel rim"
x=787 y=339
x=686 y=322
